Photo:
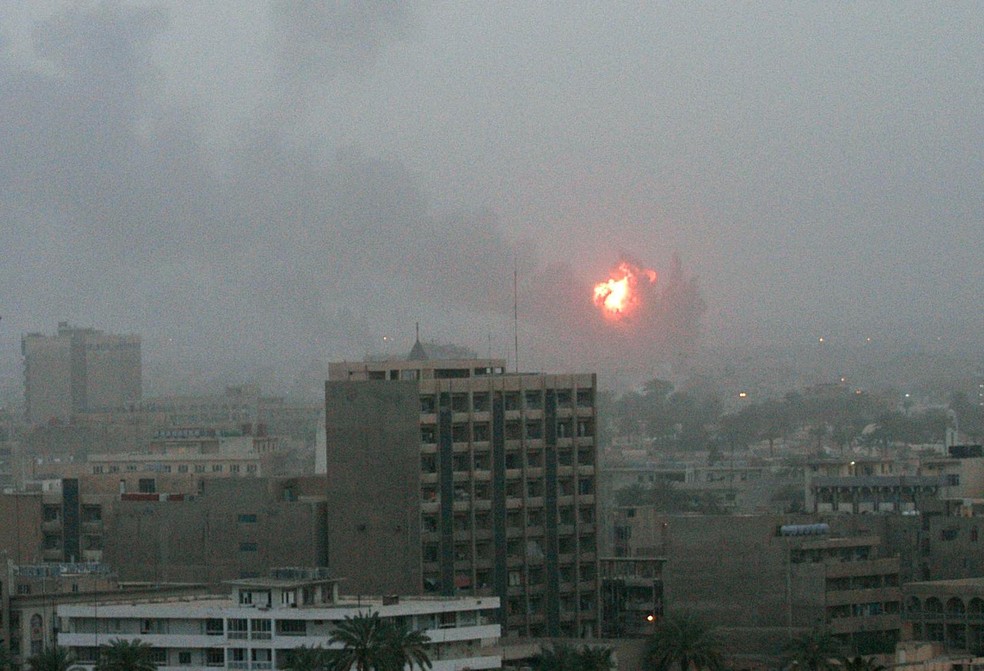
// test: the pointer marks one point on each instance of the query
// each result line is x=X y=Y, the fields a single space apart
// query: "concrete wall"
x=233 y=529
x=373 y=464
x=20 y=527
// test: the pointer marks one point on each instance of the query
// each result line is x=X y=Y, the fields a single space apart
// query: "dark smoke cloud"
x=113 y=216
x=315 y=40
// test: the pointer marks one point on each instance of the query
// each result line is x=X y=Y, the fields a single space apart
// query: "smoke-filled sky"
x=281 y=180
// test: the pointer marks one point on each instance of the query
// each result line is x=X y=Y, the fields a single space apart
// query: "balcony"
x=848 y=625
x=870 y=595
x=843 y=569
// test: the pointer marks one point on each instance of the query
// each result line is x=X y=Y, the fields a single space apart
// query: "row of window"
x=531 y=549
x=952 y=533
x=954 y=606
x=181 y=468
x=817 y=555
x=863 y=582
x=515 y=489
x=532 y=575
x=259 y=628
x=956 y=635
x=87 y=513
x=863 y=609
x=584 y=602
x=481 y=432
x=463 y=462
x=515 y=519
x=533 y=399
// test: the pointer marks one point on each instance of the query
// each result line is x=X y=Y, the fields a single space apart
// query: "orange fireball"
x=619 y=295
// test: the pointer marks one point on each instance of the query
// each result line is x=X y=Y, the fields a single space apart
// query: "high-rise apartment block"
x=79 y=370
x=457 y=478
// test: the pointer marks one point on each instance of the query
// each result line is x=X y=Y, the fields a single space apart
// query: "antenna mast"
x=515 y=316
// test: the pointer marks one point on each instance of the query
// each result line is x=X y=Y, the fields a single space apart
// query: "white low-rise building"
x=267 y=617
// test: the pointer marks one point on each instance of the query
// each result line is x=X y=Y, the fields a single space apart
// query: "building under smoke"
x=457 y=478
x=79 y=370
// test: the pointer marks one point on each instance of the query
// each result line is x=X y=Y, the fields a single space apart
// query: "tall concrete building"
x=79 y=370
x=455 y=477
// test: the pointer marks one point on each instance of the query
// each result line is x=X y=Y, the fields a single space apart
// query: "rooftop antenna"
x=515 y=316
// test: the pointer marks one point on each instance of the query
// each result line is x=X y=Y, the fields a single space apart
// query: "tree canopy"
x=371 y=644
x=123 y=655
x=53 y=658
x=683 y=641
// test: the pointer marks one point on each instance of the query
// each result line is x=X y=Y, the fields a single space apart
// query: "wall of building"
x=373 y=463
x=740 y=574
x=20 y=527
x=79 y=370
x=232 y=529
x=47 y=378
x=499 y=469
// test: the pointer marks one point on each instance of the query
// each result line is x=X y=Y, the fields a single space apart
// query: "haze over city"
x=276 y=183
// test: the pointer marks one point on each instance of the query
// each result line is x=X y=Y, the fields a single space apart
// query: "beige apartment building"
x=79 y=370
x=457 y=478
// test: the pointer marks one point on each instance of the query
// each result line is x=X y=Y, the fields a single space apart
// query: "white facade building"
x=267 y=617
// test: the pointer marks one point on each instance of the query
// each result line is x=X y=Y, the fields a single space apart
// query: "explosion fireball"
x=621 y=293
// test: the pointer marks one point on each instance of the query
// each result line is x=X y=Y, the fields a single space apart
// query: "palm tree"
x=859 y=664
x=123 y=655
x=54 y=658
x=815 y=650
x=362 y=639
x=596 y=658
x=370 y=644
x=684 y=641
x=558 y=657
x=304 y=658
x=406 y=647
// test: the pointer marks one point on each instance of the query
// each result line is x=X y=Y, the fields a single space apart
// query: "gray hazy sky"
x=275 y=180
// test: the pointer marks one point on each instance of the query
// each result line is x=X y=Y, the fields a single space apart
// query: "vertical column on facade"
x=501 y=573
x=445 y=465
x=71 y=520
x=550 y=501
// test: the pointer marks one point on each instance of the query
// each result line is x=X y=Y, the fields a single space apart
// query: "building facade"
x=758 y=578
x=79 y=370
x=631 y=595
x=175 y=528
x=455 y=477
x=946 y=612
x=30 y=594
x=266 y=618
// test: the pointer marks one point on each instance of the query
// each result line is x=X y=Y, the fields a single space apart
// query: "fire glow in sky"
x=621 y=293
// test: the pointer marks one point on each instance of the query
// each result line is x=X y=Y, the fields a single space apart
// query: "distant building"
x=30 y=593
x=760 y=578
x=631 y=595
x=170 y=527
x=237 y=407
x=267 y=617
x=862 y=486
x=79 y=370
x=946 y=612
x=452 y=476
x=960 y=472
